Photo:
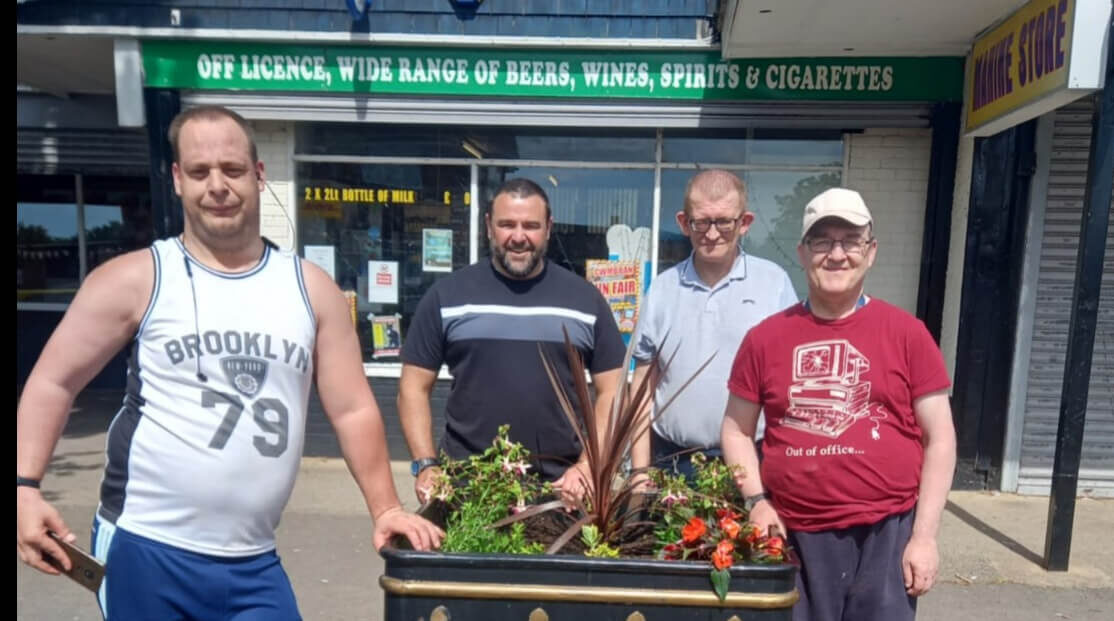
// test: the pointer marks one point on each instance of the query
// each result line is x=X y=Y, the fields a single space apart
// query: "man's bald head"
x=713 y=185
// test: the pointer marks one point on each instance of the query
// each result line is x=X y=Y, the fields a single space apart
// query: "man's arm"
x=104 y=314
x=351 y=408
x=921 y=559
x=737 y=441
x=640 y=453
x=606 y=384
x=414 y=390
x=575 y=480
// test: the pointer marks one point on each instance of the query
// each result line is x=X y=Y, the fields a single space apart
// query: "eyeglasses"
x=824 y=245
x=723 y=225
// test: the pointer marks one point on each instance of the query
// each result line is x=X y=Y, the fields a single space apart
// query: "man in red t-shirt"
x=860 y=448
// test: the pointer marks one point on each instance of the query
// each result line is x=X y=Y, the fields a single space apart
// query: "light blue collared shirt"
x=683 y=314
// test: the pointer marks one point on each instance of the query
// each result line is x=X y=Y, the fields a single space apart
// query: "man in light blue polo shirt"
x=701 y=306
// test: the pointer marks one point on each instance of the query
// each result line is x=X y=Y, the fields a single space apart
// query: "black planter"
x=433 y=586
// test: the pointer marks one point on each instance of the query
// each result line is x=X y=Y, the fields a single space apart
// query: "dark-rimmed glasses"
x=723 y=225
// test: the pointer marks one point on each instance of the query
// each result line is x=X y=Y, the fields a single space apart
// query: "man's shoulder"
x=765 y=268
x=465 y=280
x=135 y=265
x=667 y=282
x=568 y=280
x=775 y=325
x=886 y=315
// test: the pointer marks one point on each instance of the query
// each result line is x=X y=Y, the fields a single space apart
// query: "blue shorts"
x=146 y=579
x=854 y=574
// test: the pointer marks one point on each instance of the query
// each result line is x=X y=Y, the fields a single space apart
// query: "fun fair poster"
x=620 y=282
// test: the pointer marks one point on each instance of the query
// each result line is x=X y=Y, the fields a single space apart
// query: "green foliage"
x=594 y=543
x=706 y=521
x=484 y=489
x=721 y=579
x=713 y=488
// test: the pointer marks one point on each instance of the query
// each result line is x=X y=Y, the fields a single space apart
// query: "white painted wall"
x=957 y=251
x=889 y=167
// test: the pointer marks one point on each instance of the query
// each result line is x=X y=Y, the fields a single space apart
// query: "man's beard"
x=536 y=258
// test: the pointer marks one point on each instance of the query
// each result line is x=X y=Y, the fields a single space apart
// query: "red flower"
x=725 y=513
x=724 y=555
x=672 y=552
x=694 y=530
x=752 y=534
x=774 y=546
x=729 y=526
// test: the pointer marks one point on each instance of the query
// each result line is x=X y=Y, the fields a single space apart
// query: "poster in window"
x=324 y=257
x=382 y=282
x=620 y=282
x=386 y=336
x=437 y=250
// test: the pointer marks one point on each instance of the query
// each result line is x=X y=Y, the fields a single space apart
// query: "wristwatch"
x=25 y=482
x=750 y=501
x=418 y=465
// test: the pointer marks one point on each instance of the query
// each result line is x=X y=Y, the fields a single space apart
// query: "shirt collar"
x=690 y=278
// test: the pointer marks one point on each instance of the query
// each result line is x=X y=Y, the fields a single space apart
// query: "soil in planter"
x=633 y=541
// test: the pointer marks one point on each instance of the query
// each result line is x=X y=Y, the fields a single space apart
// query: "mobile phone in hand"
x=85 y=570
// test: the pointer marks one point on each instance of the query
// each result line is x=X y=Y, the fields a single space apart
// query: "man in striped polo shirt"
x=485 y=323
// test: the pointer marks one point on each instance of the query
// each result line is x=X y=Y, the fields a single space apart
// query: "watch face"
x=414 y=468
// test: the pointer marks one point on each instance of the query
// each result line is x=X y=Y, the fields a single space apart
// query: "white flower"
x=518 y=467
x=673 y=498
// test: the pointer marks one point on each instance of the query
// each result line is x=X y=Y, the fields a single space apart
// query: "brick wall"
x=889 y=167
x=275 y=142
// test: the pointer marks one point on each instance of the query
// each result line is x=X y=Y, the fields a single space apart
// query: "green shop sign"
x=702 y=76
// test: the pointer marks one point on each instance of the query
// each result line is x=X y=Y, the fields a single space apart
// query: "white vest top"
x=204 y=453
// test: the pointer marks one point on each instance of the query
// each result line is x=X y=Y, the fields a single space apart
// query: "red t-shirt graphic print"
x=842 y=445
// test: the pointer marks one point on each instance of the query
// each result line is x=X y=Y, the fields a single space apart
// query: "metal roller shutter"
x=86 y=151
x=829 y=115
x=1059 y=246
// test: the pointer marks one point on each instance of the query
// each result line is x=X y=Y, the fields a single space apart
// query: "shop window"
x=755 y=147
x=47 y=262
x=476 y=142
x=578 y=145
x=385 y=233
x=117 y=217
x=597 y=213
x=114 y=217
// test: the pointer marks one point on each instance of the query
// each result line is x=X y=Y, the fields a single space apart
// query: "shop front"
x=1034 y=80
x=381 y=161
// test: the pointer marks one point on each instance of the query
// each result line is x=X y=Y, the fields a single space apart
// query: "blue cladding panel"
x=573 y=7
x=424 y=22
x=505 y=7
x=553 y=18
x=540 y=7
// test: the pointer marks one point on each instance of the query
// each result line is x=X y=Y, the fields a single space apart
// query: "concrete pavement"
x=991 y=543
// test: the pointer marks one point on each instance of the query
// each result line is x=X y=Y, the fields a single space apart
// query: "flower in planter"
x=711 y=527
x=518 y=467
x=724 y=556
x=729 y=527
x=496 y=497
x=694 y=531
x=671 y=498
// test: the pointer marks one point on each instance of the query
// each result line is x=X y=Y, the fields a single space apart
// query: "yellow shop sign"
x=1046 y=54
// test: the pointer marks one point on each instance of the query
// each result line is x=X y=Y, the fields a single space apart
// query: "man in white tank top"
x=227 y=334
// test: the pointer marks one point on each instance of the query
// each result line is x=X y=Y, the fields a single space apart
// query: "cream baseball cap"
x=839 y=203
